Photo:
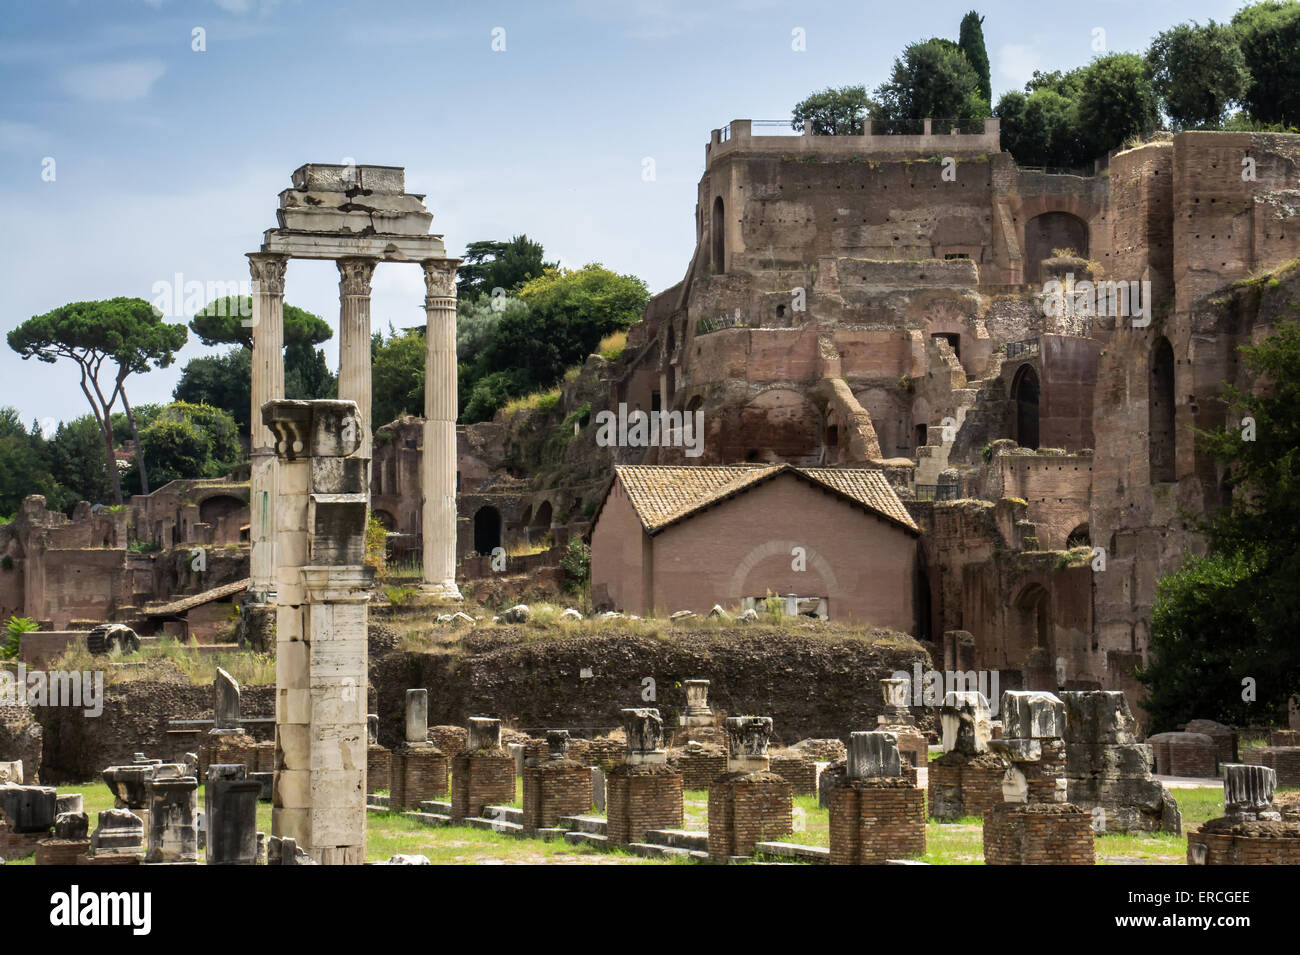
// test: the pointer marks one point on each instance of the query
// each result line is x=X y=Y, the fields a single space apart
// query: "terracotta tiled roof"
x=664 y=495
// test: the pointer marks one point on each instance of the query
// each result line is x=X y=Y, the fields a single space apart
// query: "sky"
x=141 y=140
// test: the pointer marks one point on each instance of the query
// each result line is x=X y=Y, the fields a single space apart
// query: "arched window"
x=1024 y=391
x=1160 y=413
x=1046 y=233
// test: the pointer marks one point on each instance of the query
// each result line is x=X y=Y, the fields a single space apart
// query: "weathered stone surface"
x=484 y=733
x=120 y=832
x=71 y=825
x=173 y=807
x=1247 y=790
x=417 y=715
x=557 y=744
x=226 y=701
x=1032 y=714
x=12 y=772
x=1098 y=716
x=28 y=808
x=644 y=728
x=519 y=613
x=964 y=718
x=872 y=755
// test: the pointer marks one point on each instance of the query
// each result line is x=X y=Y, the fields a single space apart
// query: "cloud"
x=16 y=137
x=1017 y=62
x=117 y=82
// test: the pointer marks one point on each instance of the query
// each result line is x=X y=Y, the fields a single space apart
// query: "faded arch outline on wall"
x=784 y=548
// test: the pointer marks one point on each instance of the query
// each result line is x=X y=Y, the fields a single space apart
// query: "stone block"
x=1032 y=714
x=28 y=808
x=965 y=718
x=873 y=755
x=1098 y=716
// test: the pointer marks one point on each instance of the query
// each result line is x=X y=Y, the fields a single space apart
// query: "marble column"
x=354 y=336
x=267 y=327
x=440 y=408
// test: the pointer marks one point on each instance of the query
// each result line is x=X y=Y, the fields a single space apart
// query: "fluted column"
x=438 y=464
x=267 y=323
x=354 y=337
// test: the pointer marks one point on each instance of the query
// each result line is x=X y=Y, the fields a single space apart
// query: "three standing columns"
x=438 y=476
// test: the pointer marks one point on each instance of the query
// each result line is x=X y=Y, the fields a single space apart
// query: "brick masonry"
x=799 y=771
x=61 y=851
x=239 y=749
x=640 y=798
x=481 y=779
x=1038 y=834
x=960 y=785
x=1248 y=843
x=748 y=808
x=699 y=769
x=873 y=820
x=554 y=788
x=415 y=774
x=1285 y=761
x=379 y=761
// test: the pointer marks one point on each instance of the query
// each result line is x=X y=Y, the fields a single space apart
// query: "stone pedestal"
x=322 y=590
x=173 y=804
x=643 y=792
x=749 y=803
x=1034 y=825
x=28 y=808
x=876 y=813
x=967 y=779
x=556 y=786
x=230 y=806
x=120 y=833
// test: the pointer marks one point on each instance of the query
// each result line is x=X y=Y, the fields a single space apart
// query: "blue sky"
x=169 y=160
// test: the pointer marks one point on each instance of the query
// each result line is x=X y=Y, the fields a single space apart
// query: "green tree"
x=834 y=112
x=224 y=381
x=1198 y=72
x=222 y=322
x=1040 y=128
x=23 y=468
x=1116 y=101
x=1234 y=614
x=491 y=264
x=191 y=441
x=930 y=80
x=126 y=332
x=397 y=375
x=971 y=41
x=75 y=458
x=1269 y=36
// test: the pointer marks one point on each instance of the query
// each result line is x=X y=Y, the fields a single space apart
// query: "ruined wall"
x=135 y=719
x=813 y=686
x=1057 y=488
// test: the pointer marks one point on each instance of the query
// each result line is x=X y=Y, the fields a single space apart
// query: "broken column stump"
x=483 y=775
x=967 y=779
x=173 y=811
x=1034 y=825
x=555 y=786
x=876 y=812
x=749 y=803
x=643 y=792
x=1250 y=831
x=417 y=768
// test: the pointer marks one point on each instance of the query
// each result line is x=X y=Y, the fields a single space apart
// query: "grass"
x=248 y=668
x=947 y=843
x=611 y=346
x=544 y=401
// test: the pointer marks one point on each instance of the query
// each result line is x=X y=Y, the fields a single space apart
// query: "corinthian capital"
x=439 y=277
x=355 y=275
x=267 y=269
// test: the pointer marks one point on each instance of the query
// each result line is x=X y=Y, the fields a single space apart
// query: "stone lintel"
x=345 y=245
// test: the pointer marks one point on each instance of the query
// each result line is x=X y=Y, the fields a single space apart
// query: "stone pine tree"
x=971 y=41
x=108 y=341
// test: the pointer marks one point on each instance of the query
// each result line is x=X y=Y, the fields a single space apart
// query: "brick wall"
x=239 y=749
x=481 y=779
x=1240 y=848
x=555 y=788
x=416 y=774
x=799 y=771
x=640 y=798
x=960 y=785
x=1285 y=761
x=747 y=808
x=872 y=820
x=378 y=766
x=699 y=770
x=1038 y=834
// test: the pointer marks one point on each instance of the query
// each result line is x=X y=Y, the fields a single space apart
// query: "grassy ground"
x=948 y=843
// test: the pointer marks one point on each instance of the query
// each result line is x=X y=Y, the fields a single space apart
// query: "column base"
x=446 y=590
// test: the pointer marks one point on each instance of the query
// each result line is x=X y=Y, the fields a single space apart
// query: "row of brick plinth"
x=872 y=820
x=482 y=778
x=746 y=809
x=555 y=788
x=1045 y=833
x=416 y=773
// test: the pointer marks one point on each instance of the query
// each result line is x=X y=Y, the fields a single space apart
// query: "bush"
x=14 y=630
x=576 y=563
